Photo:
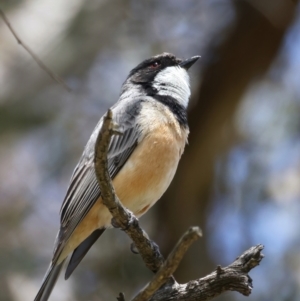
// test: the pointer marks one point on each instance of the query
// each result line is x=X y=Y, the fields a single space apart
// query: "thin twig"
x=122 y=217
x=170 y=265
x=42 y=65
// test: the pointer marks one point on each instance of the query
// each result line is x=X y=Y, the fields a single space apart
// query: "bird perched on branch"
x=151 y=112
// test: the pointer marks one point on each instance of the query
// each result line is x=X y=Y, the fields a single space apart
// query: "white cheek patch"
x=174 y=81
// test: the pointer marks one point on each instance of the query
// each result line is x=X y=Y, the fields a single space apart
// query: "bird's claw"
x=133 y=249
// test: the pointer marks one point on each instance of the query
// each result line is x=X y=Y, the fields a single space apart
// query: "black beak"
x=186 y=64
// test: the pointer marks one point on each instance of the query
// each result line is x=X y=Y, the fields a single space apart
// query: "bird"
x=152 y=113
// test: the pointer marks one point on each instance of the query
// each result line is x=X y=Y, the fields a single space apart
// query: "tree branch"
x=170 y=265
x=41 y=64
x=233 y=277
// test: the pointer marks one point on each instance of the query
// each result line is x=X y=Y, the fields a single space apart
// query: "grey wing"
x=84 y=190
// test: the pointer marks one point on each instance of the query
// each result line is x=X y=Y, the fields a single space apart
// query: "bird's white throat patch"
x=175 y=82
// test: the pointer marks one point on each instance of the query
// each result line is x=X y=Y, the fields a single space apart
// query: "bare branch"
x=231 y=278
x=41 y=64
x=170 y=265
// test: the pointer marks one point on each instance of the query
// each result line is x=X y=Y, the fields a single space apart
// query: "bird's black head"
x=163 y=75
x=146 y=71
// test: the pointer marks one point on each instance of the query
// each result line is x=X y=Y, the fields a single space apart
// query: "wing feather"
x=84 y=190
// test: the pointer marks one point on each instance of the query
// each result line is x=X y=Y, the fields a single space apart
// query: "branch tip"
x=35 y=57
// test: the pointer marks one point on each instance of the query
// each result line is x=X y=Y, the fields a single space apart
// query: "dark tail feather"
x=49 y=282
x=81 y=250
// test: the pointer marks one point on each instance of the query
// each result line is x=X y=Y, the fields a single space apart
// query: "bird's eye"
x=155 y=65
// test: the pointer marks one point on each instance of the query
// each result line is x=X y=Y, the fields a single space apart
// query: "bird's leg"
x=115 y=224
x=133 y=249
x=131 y=221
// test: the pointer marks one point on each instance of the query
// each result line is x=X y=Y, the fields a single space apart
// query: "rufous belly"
x=139 y=184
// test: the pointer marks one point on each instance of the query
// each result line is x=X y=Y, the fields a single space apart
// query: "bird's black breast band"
x=177 y=109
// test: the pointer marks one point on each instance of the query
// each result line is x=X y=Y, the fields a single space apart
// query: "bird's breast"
x=151 y=167
x=145 y=176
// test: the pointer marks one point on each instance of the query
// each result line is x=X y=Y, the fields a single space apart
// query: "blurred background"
x=239 y=178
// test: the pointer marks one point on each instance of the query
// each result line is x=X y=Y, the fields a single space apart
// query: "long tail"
x=81 y=251
x=49 y=282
